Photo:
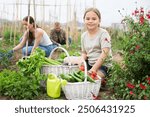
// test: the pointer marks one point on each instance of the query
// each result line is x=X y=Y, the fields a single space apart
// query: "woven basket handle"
x=63 y=50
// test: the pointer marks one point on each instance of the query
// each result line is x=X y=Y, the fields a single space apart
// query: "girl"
x=95 y=43
x=36 y=37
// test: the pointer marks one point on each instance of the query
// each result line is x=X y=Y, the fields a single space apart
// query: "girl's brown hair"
x=95 y=10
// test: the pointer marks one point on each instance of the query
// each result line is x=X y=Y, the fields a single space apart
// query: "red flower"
x=142 y=10
x=129 y=85
x=141 y=19
x=136 y=12
x=142 y=86
x=148 y=16
x=137 y=47
x=148 y=78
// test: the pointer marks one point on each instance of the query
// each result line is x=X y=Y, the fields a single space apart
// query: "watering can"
x=54 y=85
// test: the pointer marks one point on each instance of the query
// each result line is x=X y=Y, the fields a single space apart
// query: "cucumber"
x=88 y=77
x=70 y=78
x=78 y=75
x=76 y=78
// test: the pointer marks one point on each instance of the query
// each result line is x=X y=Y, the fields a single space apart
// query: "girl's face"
x=91 y=20
x=27 y=25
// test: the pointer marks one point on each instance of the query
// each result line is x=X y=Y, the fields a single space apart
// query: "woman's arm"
x=22 y=43
x=100 y=60
x=38 y=37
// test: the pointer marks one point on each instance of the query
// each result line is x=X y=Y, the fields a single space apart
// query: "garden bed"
x=103 y=94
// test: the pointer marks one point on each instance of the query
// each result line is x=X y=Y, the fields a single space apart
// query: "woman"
x=36 y=37
x=95 y=43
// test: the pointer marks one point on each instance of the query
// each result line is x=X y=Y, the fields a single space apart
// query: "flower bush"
x=132 y=79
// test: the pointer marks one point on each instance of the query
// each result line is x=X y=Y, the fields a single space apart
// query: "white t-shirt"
x=93 y=46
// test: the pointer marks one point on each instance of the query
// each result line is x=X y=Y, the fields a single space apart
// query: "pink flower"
x=133 y=14
x=131 y=93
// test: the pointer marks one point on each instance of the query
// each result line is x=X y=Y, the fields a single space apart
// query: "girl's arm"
x=82 y=58
x=100 y=60
x=22 y=43
x=38 y=37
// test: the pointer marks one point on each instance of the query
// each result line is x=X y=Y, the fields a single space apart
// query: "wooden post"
x=55 y=10
x=67 y=35
x=12 y=23
x=27 y=42
x=59 y=10
x=34 y=9
x=43 y=14
x=16 y=19
x=94 y=3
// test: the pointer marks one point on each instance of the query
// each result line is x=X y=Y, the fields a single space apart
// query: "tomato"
x=82 y=68
x=94 y=73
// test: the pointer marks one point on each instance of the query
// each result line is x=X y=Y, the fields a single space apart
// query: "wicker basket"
x=59 y=69
x=82 y=90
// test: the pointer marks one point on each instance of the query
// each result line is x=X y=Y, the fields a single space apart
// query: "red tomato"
x=81 y=68
x=94 y=73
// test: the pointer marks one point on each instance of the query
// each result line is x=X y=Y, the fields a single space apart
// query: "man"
x=57 y=34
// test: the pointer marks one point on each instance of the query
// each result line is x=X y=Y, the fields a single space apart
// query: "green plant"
x=9 y=36
x=17 y=86
x=4 y=59
x=132 y=80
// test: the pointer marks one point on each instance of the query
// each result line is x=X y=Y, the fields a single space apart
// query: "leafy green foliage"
x=8 y=34
x=4 y=60
x=132 y=80
x=25 y=83
x=17 y=86
x=33 y=63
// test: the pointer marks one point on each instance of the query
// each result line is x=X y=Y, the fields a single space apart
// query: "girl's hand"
x=92 y=70
x=93 y=75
